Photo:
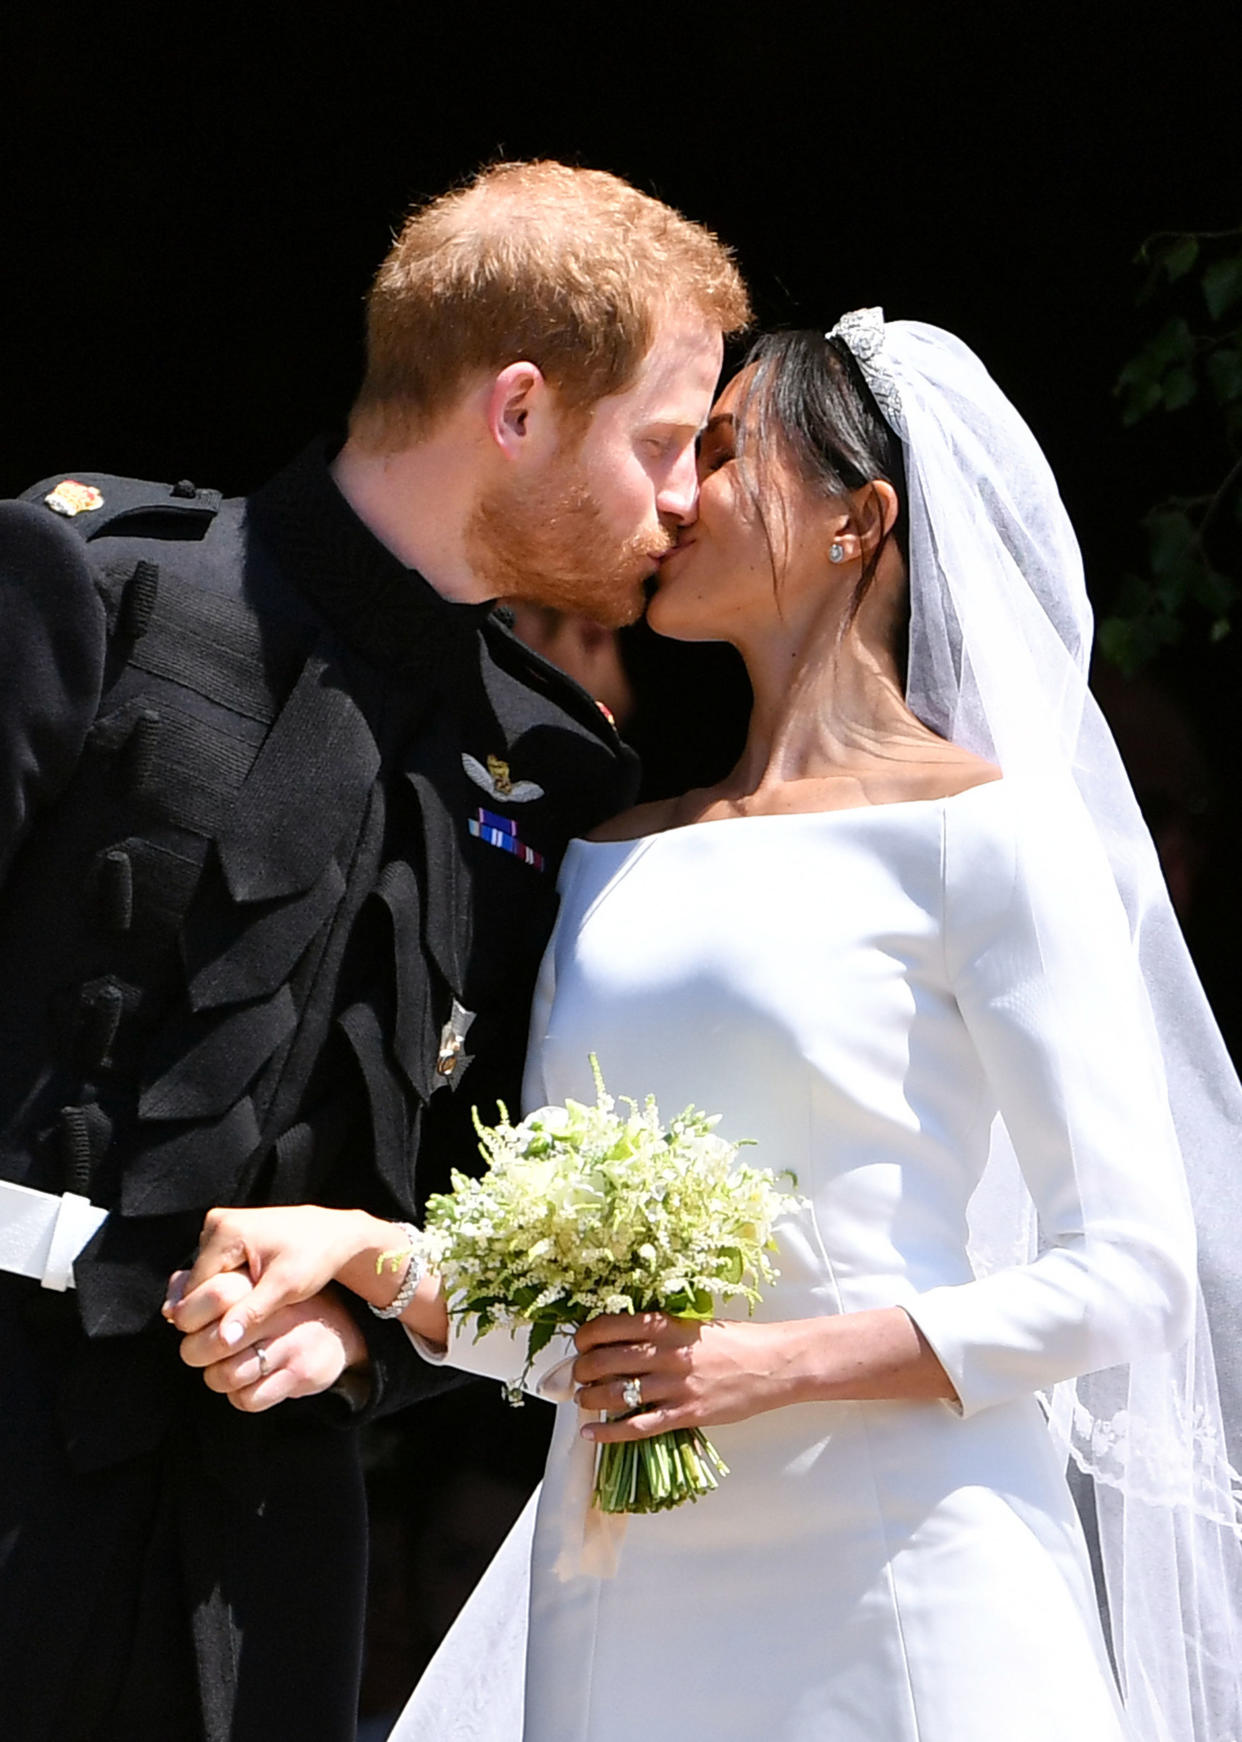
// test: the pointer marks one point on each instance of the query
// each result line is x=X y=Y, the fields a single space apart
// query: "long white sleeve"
x=1039 y=957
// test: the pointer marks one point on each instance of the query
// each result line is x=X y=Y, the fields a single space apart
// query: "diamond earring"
x=836 y=552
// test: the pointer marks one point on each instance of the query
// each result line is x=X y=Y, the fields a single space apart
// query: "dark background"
x=194 y=201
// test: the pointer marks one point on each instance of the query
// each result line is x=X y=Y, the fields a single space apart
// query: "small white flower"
x=553 y=1119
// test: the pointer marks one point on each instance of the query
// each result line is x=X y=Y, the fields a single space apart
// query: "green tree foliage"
x=1190 y=368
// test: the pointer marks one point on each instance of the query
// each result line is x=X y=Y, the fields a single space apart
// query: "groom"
x=282 y=801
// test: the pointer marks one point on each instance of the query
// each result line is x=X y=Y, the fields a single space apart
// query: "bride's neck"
x=828 y=700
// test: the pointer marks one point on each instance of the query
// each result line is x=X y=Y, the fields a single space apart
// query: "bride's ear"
x=874 y=507
x=870 y=512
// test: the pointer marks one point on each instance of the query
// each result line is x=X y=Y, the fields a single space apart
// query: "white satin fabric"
x=860 y=992
x=479 y=1699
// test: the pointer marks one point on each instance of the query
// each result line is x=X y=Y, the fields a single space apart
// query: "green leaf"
x=541 y=1335
x=1178 y=255
x=1137 y=371
x=731 y=1266
x=1172 y=543
x=1138 y=394
x=1222 y=284
x=1179 y=389
x=1214 y=591
x=1138 y=399
x=1223 y=368
x=1143 y=383
x=1219 y=629
x=1115 y=640
x=1173 y=344
x=1131 y=638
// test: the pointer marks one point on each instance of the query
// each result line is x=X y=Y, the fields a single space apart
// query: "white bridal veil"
x=999 y=641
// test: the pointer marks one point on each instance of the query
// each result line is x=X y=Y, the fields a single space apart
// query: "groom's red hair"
x=570 y=269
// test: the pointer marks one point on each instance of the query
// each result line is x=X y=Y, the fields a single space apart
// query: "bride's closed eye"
x=712 y=453
x=715 y=446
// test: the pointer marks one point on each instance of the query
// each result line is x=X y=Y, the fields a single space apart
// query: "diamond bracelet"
x=415 y=1270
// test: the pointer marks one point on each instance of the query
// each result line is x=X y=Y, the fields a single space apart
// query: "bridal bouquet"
x=587 y=1210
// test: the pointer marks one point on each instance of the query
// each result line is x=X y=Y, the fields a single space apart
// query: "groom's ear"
x=519 y=411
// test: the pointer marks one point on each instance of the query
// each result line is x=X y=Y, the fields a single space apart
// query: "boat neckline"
x=848 y=810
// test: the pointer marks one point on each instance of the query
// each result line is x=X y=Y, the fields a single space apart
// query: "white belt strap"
x=41 y=1234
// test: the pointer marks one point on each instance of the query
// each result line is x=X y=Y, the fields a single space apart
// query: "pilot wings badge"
x=497 y=782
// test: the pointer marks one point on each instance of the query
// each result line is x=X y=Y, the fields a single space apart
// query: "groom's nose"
x=678 y=496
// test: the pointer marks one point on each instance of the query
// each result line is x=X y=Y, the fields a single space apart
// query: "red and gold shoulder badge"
x=70 y=498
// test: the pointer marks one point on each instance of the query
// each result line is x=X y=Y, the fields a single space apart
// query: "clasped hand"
x=256 y=1311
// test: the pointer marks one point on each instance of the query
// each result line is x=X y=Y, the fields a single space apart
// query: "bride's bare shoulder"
x=641 y=819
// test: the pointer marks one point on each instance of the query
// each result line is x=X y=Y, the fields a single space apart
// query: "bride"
x=916 y=946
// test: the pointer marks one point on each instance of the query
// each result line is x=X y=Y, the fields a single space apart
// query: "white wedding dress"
x=859 y=992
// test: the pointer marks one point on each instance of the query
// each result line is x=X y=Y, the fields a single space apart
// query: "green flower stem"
x=653 y=1475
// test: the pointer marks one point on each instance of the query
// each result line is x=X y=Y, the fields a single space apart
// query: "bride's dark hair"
x=807 y=400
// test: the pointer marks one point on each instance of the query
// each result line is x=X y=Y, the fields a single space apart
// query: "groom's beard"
x=551 y=545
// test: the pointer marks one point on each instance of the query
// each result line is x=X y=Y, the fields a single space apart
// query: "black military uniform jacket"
x=279 y=833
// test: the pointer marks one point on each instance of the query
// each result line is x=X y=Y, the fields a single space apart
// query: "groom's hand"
x=296 y=1351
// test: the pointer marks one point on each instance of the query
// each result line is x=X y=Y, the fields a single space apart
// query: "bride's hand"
x=289 y=1252
x=690 y=1373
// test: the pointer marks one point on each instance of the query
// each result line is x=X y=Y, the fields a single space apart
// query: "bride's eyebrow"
x=722 y=422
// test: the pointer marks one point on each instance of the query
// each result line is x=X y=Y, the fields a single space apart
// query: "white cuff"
x=944 y=1352
x=501 y=1354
